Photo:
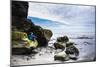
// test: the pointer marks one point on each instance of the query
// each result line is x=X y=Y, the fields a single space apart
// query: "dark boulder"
x=72 y=50
x=61 y=42
x=63 y=39
x=58 y=46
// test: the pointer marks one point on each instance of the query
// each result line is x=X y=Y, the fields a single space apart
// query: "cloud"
x=78 y=17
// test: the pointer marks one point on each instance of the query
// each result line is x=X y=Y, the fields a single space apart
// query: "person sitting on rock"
x=31 y=36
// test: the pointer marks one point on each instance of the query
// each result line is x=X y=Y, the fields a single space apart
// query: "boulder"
x=58 y=46
x=62 y=56
x=63 y=39
x=72 y=51
x=47 y=34
x=68 y=48
x=61 y=42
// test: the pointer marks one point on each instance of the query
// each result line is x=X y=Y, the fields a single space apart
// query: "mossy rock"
x=24 y=43
x=31 y=43
x=20 y=39
x=16 y=35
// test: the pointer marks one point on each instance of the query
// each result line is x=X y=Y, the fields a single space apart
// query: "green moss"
x=20 y=39
x=16 y=35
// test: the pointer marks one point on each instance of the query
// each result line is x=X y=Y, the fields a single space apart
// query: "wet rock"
x=58 y=46
x=63 y=39
x=72 y=50
x=62 y=56
x=69 y=44
x=61 y=42
x=69 y=49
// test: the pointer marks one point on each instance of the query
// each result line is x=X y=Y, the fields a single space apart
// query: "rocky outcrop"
x=61 y=42
x=20 y=9
x=69 y=51
x=43 y=35
x=21 y=24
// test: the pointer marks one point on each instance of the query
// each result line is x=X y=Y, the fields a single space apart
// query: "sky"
x=63 y=17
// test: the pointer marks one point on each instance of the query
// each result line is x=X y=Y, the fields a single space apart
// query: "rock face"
x=20 y=23
x=19 y=9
